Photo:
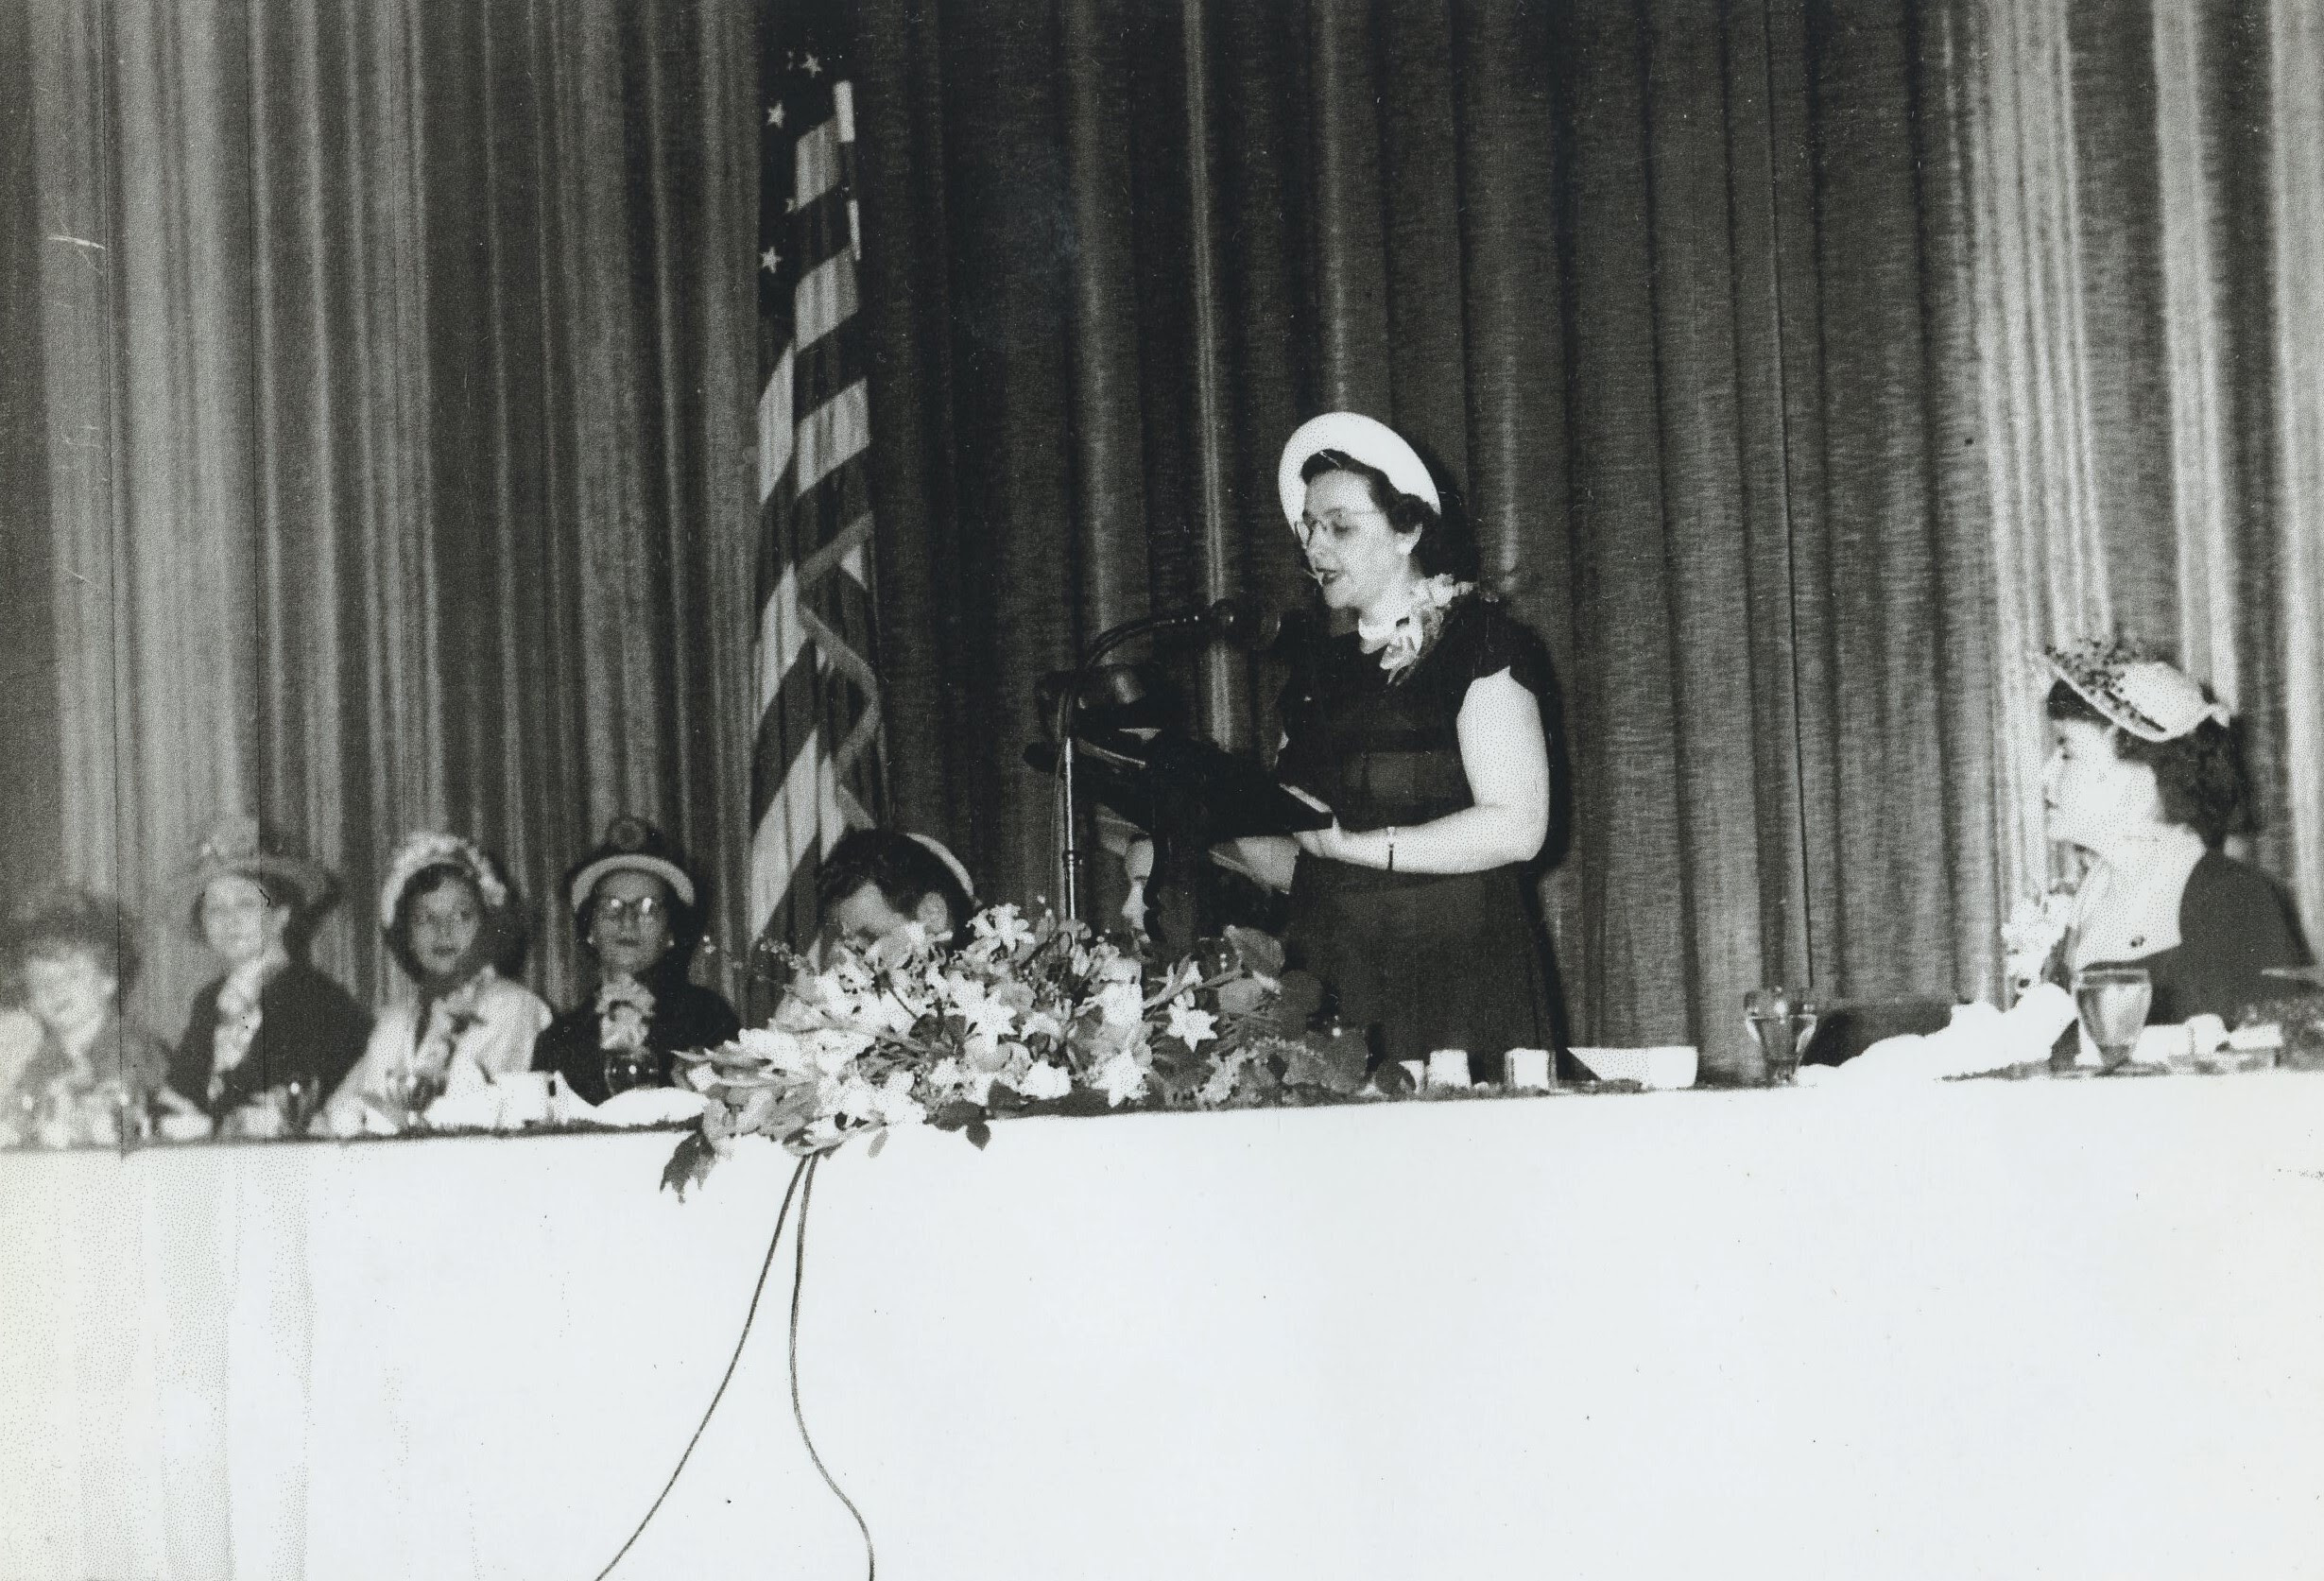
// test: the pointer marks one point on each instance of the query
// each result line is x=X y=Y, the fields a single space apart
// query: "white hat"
x=427 y=847
x=1367 y=439
x=2152 y=700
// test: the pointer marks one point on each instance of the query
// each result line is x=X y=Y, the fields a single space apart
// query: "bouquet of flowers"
x=1030 y=1016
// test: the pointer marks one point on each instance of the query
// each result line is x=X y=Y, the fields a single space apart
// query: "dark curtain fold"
x=32 y=827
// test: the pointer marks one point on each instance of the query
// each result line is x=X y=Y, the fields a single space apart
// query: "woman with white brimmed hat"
x=450 y=922
x=2145 y=776
x=638 y=914
x=1422 y=731
x=271 y=1036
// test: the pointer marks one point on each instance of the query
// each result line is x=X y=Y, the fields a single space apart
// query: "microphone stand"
x=1069 y=709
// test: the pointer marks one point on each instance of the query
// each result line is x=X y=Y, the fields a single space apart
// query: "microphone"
x=1250 y=625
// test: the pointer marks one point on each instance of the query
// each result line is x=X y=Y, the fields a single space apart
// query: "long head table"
x=2057 y=1329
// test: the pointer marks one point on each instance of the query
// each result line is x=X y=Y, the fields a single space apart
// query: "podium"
x=1186 y=795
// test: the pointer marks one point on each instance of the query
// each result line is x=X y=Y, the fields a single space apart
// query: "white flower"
x=1121 y=1004
x=833 y=1048
x=2032 y=934
x=1042 y=1079
x=984 y=1054
x=895 y=1105
x=857 y=1099
x=1040 y=1023
x=982 y=1013
x=780 y=1049
x=947 y=1075
x=1119 y=1077
x=1005 y=925
x=1189 y=1025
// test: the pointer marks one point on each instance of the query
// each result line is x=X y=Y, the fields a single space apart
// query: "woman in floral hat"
x=639 y=915
x=1426 y=733
x=2146 y=778
x=271 y=1036
x=451 y=923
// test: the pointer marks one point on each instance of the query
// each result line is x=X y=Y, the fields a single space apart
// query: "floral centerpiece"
x=1030 y=1016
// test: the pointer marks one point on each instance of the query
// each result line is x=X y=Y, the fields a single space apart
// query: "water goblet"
x=1780 y=1021
x=2113 y=1001
x=628 y=1068
x=409 y=1090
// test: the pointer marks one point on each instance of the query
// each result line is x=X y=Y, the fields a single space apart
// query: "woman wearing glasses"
x=1425 y=731
x=636 y=909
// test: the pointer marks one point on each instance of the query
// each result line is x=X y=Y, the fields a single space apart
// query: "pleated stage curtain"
x=397 y=365
x=1803 y=368
x=1806 y=367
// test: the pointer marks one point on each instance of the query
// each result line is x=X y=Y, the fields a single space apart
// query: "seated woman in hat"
x=92 y=1077
x=2145 y=778
x=271 y=1036
x=640 y=918
x=448 y=919
x=1427 y=732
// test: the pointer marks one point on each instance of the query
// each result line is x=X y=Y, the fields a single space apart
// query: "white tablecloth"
x=2057 y=1329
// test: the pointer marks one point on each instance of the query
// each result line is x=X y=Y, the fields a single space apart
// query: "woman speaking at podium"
x=1422 y=731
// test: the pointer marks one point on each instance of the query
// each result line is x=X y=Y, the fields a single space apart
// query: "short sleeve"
x=1483 y=639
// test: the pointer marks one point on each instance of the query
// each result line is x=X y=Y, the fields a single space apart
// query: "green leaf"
x=689 y=1165
x=879 y=1140
x=978 y=1133
x=957 y=1115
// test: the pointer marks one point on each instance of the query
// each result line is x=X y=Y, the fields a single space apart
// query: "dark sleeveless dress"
x=1421 y=961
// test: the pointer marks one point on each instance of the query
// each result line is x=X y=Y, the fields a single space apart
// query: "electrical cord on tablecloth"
x=749 y=1317
x=799 y=1283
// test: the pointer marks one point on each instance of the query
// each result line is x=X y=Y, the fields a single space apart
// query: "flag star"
x=812 y=66
x=771 y=261
x=774 y=115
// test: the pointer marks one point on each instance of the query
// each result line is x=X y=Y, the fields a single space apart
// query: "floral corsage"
x=2033 y=937
x=1402 y=641
x=623 y=1006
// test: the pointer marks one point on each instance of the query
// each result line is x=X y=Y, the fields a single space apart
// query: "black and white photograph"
x=1102 y=790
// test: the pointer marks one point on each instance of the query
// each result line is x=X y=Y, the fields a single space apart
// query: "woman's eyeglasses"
x=1338 y=522
x=643 y=909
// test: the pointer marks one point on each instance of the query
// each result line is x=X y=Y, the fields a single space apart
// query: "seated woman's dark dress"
x=2233 y=921
x=1423 y=961
x=310 y=1030
x=685 y=1016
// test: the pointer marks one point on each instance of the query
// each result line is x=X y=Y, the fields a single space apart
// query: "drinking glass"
x=626 y=1068
x=2113 y=1001
x=1780 y=1022
x=410 y=1090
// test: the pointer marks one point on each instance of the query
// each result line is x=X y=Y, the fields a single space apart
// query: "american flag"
x=815 y=768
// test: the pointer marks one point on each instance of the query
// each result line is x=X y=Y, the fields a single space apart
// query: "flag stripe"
x=825 y=299
x=818 y=171
x=833 y=432
x=775 y=427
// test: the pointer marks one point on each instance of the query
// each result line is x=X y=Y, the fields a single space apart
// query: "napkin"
x=650 y=1106
x=1977 y=1039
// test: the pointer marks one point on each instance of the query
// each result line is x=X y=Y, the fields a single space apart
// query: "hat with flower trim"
x=2134 y=691
x=236 y=847
x=428 y=847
